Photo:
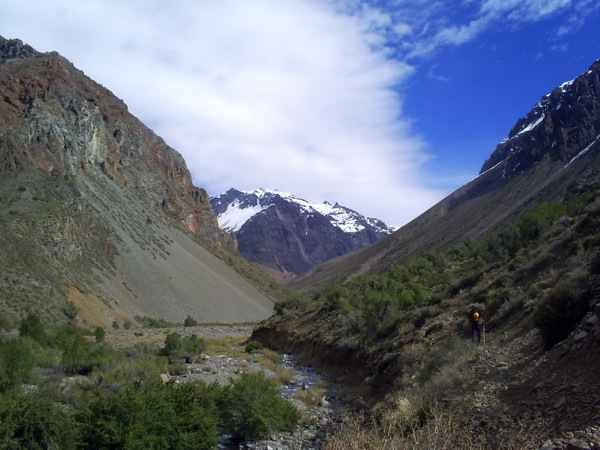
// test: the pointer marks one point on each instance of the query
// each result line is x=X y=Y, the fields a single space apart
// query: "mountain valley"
x=102 y=227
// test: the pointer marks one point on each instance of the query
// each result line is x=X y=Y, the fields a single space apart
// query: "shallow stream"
x=317 y=416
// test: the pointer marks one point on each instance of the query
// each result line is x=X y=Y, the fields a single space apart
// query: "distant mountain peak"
x=559 y=126
x=290 y=234
x=233 y=208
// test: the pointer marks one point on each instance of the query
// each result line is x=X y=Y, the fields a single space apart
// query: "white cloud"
x=297 y=95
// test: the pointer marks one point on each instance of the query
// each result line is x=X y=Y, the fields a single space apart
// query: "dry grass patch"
x=434 y=427
x=311 y=396
x=231 y=346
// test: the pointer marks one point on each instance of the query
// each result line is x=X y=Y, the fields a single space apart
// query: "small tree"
x=190 y=322
x=99 y=334
x=32 y=326
x=255 y=409
x=172 y=343
x=16 y=363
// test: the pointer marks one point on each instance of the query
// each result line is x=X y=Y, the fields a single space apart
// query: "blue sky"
x=383 y=106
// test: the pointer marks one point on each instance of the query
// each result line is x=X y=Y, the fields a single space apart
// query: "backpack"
x=476 y=309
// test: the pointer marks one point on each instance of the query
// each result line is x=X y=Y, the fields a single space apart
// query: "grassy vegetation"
x=377 y=306
x=65 y=387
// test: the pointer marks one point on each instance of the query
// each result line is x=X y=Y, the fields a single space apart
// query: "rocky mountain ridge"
x=563 y=125
x=289 y=235
x=99 y=217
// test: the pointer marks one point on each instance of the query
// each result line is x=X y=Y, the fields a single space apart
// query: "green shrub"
x=16 y=363
x=153 y=415
x=253 y=346
x=30 y=421
x=534 y=224
x=187 y=347
x=4 y=324
x=99 y=334
x=151 y=322
x=557 y=313
x=80 y=355
x=135 y=367
x=190 y=322
x=32 y=326
x=172 y=343
x=291 y=302
x=178 y=369
x=255 y=409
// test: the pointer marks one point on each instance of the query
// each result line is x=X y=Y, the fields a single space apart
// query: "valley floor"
x=508 y=387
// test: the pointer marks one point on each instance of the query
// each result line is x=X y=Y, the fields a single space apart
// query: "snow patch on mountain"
x=582 y=152
x=236 y=216
x=240 y=211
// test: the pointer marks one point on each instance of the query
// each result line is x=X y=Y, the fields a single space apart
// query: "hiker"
x=476 y=319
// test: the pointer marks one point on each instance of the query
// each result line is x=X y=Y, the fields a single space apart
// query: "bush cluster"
x=121 y=403
x=375 y=305
x=558 y=311
x=183 y=347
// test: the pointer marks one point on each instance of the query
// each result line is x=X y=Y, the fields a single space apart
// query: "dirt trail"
x=511 y=384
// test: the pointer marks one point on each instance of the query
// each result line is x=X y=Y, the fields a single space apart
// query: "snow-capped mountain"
x=290 y=235
x=562 y=126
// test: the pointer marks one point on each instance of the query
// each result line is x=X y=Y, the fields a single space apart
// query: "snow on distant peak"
x=253 y=202
x=235 y=216
x=563 y=87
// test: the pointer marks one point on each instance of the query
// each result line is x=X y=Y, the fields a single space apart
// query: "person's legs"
x=475 y=330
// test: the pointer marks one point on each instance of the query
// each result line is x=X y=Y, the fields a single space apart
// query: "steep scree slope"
x=97 y=210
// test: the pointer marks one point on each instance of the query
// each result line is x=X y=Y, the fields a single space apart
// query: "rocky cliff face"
x=55 y=119
x=559 y=127
x=99 y=218
x=289 y=235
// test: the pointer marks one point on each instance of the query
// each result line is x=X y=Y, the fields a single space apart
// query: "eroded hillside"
x=99 y=218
